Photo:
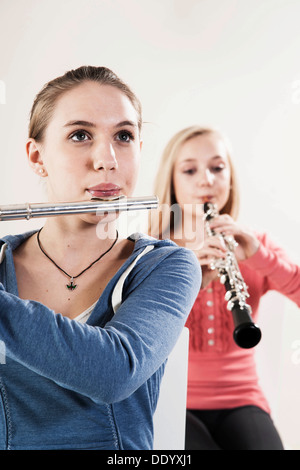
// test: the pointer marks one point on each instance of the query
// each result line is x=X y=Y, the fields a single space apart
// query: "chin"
x=102 y=219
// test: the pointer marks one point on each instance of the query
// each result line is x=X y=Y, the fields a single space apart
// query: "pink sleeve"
x=280 y=273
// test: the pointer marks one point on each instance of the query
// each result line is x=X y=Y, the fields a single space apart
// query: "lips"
x=206 y=198
x=105 y=190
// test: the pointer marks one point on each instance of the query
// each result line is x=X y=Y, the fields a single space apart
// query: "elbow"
x=113 y=394
x=118 y=385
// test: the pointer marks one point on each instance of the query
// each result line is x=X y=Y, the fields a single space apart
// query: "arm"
x=107 y=364
x=262 y=255
x=280 y=273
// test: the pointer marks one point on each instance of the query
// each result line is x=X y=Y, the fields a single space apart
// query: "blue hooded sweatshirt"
x=69 y=385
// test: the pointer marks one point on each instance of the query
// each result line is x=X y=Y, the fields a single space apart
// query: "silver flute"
x=95 y=205
x=246 y=333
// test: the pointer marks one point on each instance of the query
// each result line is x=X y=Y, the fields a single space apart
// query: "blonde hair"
x=45 y=101
x=163 y=188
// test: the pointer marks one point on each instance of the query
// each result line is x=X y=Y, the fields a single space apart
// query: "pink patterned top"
x=221 y=374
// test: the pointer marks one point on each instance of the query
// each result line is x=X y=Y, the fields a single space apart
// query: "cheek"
x=128 y=171
x=183 y=185
x=177 y=182
x=224 y=180
x=179 y=191
x=224 y=190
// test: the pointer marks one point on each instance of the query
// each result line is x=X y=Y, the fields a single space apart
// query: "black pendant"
x=71 y=286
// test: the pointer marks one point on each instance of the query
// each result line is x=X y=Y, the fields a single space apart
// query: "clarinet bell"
x=247 y=335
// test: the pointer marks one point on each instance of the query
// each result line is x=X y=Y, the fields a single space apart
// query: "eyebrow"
x=188 y=160
x=91 y=124
x=79 y=123
x=127 y=123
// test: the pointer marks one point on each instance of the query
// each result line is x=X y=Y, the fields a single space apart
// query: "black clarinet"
x=246 y=333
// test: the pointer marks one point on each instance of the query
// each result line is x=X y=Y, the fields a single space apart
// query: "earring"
x=41 y=171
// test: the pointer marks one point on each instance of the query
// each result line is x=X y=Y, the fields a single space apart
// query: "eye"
x=79 y=136
x=190 y=171
x=125 y=136
x=218 y=168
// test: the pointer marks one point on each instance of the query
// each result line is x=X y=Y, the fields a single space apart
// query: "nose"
x=206 y=178
x=104 y=157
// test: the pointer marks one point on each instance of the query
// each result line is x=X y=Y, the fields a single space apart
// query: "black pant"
x=243 y=428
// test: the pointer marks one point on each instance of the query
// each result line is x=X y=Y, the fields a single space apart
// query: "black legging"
x=243 y=428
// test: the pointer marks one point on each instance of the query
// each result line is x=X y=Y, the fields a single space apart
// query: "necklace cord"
x=84 y=270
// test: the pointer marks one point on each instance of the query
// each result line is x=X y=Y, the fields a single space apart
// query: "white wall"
x=234 y=64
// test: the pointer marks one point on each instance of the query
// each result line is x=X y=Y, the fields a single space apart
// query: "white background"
x=234 y=64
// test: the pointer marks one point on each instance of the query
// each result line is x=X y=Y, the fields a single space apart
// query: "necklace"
x=71 y=286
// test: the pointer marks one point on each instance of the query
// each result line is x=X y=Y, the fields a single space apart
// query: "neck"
x=68 y=236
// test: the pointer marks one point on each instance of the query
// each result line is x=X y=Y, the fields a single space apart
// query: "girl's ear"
x=33 y=150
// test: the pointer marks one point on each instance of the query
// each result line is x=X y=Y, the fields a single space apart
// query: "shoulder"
x=160 y=249
x=13 y=241
x=9 y=243
x=164 y=255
